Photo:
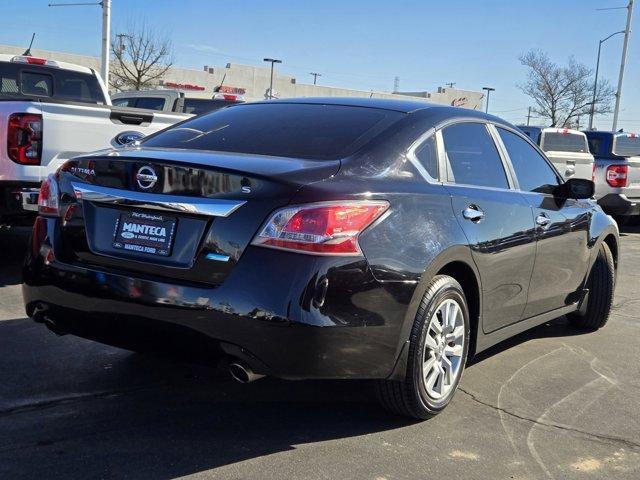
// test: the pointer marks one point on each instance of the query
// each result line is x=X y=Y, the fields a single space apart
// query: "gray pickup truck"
x=617 y=172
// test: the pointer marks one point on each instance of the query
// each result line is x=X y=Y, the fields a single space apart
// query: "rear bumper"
x=619 y=204
x=18 y=198
x=268 y=312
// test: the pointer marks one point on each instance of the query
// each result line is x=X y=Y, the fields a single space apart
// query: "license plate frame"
x=144 y=232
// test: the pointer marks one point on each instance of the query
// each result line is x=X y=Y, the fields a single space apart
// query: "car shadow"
x=556 y=328
x=625 y=230
x=13 y=245
x=75 y=408
x=71 y=408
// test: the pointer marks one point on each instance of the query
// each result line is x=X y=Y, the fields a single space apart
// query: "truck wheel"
x=438 y=347
x=601 y=283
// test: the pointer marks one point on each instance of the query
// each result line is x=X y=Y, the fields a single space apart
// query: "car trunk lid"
x=173 y=213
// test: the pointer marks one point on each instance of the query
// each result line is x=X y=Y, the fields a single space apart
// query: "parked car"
x=174 y=100
x=51 y=111
x=567 y=149
x=323 y=238
x=617 y=172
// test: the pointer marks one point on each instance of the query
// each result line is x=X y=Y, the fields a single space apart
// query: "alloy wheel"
x=443 y=349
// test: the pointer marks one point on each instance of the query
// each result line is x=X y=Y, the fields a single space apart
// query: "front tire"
x=438 y=347
x=601 y=283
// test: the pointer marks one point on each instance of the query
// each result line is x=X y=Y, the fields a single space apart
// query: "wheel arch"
x=470 y=284
x=612 y=242
x=457 y=262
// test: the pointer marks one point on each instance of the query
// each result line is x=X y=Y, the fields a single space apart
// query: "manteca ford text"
x=317 y=238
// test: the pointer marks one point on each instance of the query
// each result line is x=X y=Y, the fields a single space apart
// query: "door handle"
x=542 y=220
x=473 y=213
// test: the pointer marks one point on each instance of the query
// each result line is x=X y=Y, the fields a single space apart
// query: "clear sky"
x=362 y=44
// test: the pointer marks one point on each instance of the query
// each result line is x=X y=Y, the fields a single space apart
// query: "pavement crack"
x=597 y=436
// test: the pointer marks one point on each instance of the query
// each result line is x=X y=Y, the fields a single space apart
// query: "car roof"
x=404 y=106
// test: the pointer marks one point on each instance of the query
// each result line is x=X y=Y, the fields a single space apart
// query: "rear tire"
x=438 y=347
x=601 y=284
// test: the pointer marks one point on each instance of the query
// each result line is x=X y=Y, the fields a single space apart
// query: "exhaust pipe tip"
x=243 y=373
x=54 y=327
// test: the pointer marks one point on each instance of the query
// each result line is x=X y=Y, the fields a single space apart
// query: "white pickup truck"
x=567 y=149
x=51 y=111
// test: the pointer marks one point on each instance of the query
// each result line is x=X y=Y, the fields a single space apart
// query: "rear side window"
x=626 y=145
x=19 y=80
x=564 y=142
x=124 y=102
x=427 y=155
x=280 y=129
x=595 y=146
x=532 y=170
x=472 y=156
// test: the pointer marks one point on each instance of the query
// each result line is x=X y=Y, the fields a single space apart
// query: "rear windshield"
x=18 y=81
x=279 y=129
x=627 y=146
x=564 y=142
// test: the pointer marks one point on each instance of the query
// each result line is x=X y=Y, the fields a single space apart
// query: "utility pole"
x=396 y=84
x=627 y=33
x=450 y=84
x=106 y=26
x=488 y=90
x=528 y=116
x=121 y=37
x=106 y=36
x=272 y=61
x=315 y=76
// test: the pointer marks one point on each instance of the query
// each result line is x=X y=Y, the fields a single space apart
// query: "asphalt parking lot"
x=551 y=403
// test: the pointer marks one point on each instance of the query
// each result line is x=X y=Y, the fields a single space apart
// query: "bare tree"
x=563 y=93
x=141 y=59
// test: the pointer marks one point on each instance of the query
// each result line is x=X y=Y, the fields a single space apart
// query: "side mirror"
x=578 y=188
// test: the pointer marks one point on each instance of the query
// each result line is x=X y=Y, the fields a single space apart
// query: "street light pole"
x=488 y=90
x=106 y=25
x=595 y=81
x=272 y=61
x=627 y=32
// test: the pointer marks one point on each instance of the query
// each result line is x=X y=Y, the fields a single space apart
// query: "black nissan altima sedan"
x=322 y=238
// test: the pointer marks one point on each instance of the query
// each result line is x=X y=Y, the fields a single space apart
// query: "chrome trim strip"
x=172 y=203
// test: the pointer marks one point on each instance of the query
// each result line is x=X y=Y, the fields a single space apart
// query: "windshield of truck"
x=627 y=145
x=564 y=142
x=19 y=81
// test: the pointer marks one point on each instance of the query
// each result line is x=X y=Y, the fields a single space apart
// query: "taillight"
x=617 y=175
x=49 y=197
x=24 y=138
x=330 y=228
